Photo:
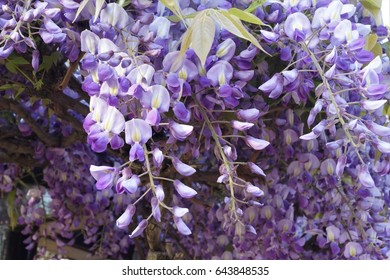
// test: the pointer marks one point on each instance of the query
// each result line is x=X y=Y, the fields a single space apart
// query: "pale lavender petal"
x=180 y=131
x=250 y=229
x=268 y=36
x=332 y=56
x=352 y=249
x=153 y=117
x=328 y=167
x=332 y=233
x=271 y=84
x=156 y=209
x=99 y=171
x=116 y=142
x=372 y=105
x=115 y=15
x=106 y=45
x=221 y=73
x=35 y=60
x=131 y=185
x=226 y=49
x=160 y=26
x=241 y=126
x=253 y=190
x=106 y=181
x=181 y=226
x=156 y=97
x=365 y=177
x=89 y=42
x=124 y=220
x=113 y=120
x=343 y=32
x=137 y=131
x=383 y=147
x=230 y=152
x=297 y=23
x=379 y=130
x=179 y=211
x=139 y=229
x=290 y=76
x=334 y=145
x=136 y=152
x=160 y=195
x=158 y=157
x=70 y=4
x=255 y=143
x=51 y=27
x=183 y=168
x=249 y=114
x=141 y=74
x=255 y=169
x=290 y=136
x=181 y=112
x=183 y=190
x=341 y=162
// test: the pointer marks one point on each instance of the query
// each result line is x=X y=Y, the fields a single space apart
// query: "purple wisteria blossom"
x=137 y=133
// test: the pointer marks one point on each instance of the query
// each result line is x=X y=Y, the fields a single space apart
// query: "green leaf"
x=9 y=86
x=374 y=7
x=234 y=25
x=124 y=3
x=12 y=214
x=377 y=50
x=372 y=44
x=99 y=6
x=19 y=92
x=175 y=18
x=202 y=35
x=253 y=6
x=173 y=5
x=371 y=40
x=48 y=61
x=17 y=60
x=11 y=67
x=185 y=44
x=80 y=9
x=245 y=16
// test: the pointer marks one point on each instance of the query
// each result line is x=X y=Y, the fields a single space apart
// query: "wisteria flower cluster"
x=224 y=129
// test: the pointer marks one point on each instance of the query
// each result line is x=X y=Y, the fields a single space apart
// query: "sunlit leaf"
x=371 y=40
x=245 y=16
x=124 y=3
x=253 y=6
x=173 y=5
x=372 y=44
x=374 y=7
x=233 y=24
x=185 y=44
x=99 y=6
x=202 y=35
x=175 y=18
x=80 y=9
x=377 y=50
